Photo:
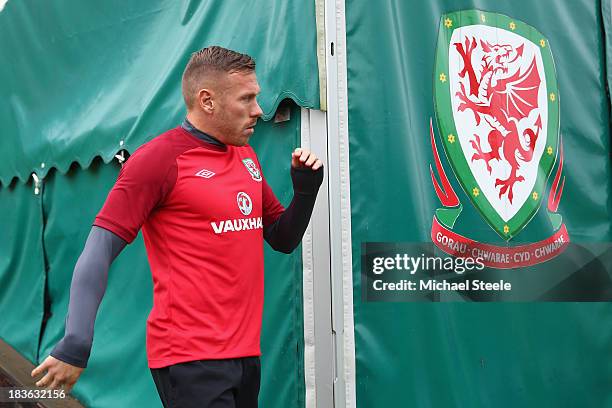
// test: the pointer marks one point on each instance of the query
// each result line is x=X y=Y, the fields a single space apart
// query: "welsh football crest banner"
x=497 y=110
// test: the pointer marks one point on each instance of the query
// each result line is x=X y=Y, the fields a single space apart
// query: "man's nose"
x=257 y=112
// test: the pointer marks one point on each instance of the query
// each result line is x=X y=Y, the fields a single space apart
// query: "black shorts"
x=230 y=383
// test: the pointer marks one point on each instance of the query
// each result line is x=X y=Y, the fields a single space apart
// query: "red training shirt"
x=202 y=209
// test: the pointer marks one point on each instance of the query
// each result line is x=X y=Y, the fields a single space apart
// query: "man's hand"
x=58 y=374
x=302 y=158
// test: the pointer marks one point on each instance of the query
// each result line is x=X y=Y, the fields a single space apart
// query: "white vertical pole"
x=318 y=351
x=340 y=205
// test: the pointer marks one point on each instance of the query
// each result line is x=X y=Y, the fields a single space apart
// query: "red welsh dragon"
x=502 y=100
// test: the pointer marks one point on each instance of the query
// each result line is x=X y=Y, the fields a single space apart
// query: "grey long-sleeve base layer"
x=89 y=282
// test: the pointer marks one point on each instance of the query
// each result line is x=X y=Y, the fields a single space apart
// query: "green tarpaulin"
x=86 y=79
x=461 y=354
x=22 y=268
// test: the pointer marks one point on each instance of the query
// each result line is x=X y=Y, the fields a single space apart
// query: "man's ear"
x=205 y=100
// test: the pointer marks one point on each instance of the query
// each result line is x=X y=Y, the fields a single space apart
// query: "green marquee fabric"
x=606 y=13
x=282 y=338
x=22 y=268
x=472 y=354
x=117 y=375
x=85 y=79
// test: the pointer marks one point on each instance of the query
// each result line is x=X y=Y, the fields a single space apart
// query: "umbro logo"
x=205 y=173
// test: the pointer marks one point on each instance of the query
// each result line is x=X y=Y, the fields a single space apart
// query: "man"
x=204 y=207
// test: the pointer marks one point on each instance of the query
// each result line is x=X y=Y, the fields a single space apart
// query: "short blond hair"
x=209 y=61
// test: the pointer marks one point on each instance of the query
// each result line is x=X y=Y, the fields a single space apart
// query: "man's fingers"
x=37 y=371
x=295 y=157
x=295 y=162
x=56 y=384
x=304 y=156
x=311 y=159
x=43 y=382
x=58 y=374
x=41 y=368
x=299 y=157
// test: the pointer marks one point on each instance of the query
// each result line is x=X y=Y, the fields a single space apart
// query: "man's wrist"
x=305 y=180
x=71 y=352
x=77 y=362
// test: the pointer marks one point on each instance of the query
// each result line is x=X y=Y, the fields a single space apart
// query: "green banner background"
x=81 y=76
x=22 y=268
x=461 y=354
